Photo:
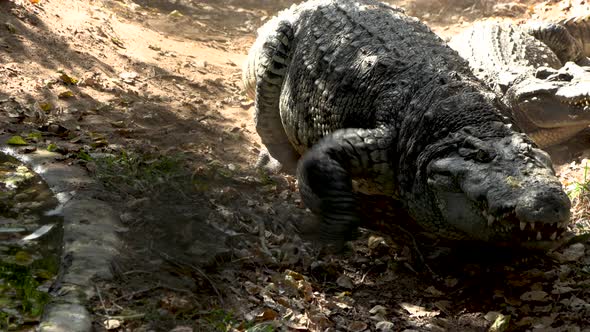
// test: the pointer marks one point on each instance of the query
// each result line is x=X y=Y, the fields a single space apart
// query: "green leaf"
x=16 y=140
x=35 y=136
x=82 y=155
x=51 y=147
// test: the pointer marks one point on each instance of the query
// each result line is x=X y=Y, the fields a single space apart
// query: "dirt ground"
x=147 y=96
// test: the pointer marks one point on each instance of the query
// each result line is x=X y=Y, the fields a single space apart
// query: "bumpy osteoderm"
x=525 y=66
x=358 y=91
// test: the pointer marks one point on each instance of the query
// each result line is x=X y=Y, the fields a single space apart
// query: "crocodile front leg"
x=265 y=72
x=325 y=175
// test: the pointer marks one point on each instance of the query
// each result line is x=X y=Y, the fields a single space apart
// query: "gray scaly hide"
x=359 y=91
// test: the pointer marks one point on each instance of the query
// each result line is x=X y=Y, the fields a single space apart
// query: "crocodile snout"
x=545 y=205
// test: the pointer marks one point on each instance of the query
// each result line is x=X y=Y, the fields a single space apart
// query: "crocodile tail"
x=249 y=74
x=579 y=28
x=258 y=57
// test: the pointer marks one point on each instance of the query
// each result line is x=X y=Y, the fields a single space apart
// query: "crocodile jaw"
x=513 y=198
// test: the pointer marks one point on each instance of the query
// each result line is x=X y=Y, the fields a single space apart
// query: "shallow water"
x=30 y=242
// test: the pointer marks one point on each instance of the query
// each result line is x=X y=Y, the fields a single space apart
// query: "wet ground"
x=30 y=244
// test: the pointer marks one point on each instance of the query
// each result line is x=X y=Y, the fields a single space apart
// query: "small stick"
x=136 y=293
x=101 y=300
x=128 y=317
x=196 y=269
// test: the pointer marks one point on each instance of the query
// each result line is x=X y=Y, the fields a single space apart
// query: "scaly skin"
x=367 y=94
x=569 y=39
x=548 y=101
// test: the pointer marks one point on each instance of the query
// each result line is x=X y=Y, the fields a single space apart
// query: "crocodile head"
x=554 y=105
x=500 y=190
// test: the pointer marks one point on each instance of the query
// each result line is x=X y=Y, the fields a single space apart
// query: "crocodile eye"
x=481 y=155
x=475 y=149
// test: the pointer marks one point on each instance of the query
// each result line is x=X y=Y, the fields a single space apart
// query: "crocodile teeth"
x=490 y=220
x=553 y=236
x=522 y=225
x=539 y=236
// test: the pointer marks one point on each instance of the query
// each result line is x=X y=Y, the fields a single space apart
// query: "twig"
x=262 y=237
x=196 y=269
x=101 y=300
x=136 y=293
x=136 y=271
x=179 y=290
x=127 y=317
x=417 y=249
x=366 y=273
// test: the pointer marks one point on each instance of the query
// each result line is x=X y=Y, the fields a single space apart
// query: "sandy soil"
x=147 y=96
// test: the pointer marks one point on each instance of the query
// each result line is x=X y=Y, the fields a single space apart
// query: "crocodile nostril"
x=543 y=205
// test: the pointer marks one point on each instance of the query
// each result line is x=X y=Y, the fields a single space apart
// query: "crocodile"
x=356 y=95
x=568 y=38
x=539 y=72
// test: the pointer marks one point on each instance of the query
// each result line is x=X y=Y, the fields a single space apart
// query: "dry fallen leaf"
x=501 y=324
x=418 y=311
x=432 y=291
x=111 y=324
x=538 y=296
x=67 y=79
x=66 y=94
x=266 y=315
x=345 y=282
x=357 y=326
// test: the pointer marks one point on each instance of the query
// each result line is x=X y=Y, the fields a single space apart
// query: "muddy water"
x=30 y=242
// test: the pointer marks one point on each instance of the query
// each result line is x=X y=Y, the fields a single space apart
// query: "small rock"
x=345 y=282
x=201 y=64
x=27 y=149
x=384 y=326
